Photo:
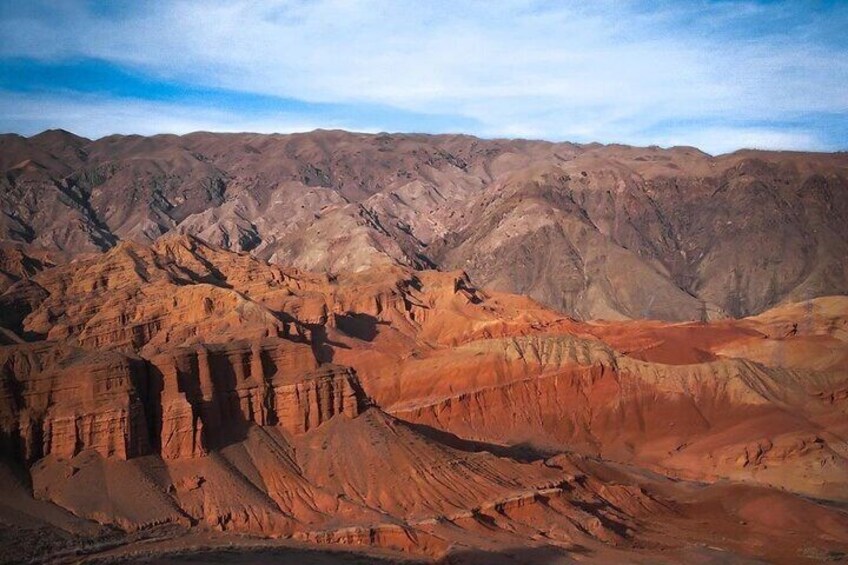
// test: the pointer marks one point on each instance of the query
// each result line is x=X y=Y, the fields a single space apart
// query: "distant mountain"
x=593 y=231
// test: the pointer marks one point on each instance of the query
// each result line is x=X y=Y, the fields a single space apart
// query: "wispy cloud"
x=734 y=73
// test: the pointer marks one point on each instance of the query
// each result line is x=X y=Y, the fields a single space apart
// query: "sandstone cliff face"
x=563 y=392
x=211 y=394
x=187 y=393
x=181 y=385
x=182 y=404
x=594 y=231
x=91 y=402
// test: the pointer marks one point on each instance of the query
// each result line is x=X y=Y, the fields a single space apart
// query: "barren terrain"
x=345 y=348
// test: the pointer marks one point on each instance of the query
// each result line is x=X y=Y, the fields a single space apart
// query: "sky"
x=718 y=75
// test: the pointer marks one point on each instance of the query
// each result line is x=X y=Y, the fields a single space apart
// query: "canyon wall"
x=180 y=404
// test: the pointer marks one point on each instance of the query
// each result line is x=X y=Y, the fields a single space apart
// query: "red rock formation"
x=86 y=402
x=181 y=385
x=210 y=392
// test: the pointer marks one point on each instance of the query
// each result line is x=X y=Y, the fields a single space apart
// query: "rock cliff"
x=180 y=387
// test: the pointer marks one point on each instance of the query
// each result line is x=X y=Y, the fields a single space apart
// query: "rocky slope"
x=152 y=394
x=593 y=231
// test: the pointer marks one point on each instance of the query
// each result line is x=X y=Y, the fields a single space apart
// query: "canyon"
x=334 y=347
x=178 y=396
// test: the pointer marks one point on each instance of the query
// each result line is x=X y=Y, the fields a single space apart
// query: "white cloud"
x=608 y=70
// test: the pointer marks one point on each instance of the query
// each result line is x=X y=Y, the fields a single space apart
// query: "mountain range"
x=594 y=231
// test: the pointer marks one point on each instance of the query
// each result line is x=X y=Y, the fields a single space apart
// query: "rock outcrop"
x=594 y=231
x=210 y=394
x=87 y=402
x=181 y=386
x=182 y=404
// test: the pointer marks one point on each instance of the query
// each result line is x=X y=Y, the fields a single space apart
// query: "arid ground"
x=348 y=348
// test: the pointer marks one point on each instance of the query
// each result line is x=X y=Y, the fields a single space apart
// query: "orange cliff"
x=187 y=385
x=181 y=403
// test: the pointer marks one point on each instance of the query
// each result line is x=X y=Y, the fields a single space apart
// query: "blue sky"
x=719 y=75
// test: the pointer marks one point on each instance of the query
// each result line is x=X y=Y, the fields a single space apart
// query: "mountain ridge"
x=596 y=231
